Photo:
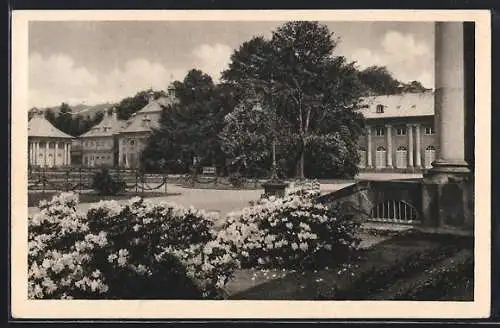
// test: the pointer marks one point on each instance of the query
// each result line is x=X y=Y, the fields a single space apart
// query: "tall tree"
x=64 y=119
x=189 y=127
x=296 y=73
x=377 y=80
x=130 y=105
x=414 y=87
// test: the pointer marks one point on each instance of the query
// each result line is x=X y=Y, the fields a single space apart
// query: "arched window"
x=402 y=157
x=380 y=158
x=429 y=156
x=380 y=108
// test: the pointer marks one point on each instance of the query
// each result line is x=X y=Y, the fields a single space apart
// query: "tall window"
x=380 y=158
x=401 y=131
x=402 y=157
x=429 y=130
x=379 y=131
x=380 y=108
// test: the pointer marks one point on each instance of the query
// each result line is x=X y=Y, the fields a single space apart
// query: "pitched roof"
x=142 y=121
x=155 y=105
x=38 y=126
x=402 y=105
x=109 y=126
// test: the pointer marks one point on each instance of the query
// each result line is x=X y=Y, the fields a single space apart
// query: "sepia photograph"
x=268 y=158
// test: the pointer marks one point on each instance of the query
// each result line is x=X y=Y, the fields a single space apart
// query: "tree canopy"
x=377 y=80
x=70 y=123
x=313 y=92
x=189 y=128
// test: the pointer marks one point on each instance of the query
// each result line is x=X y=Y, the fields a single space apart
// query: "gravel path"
x=225 y=201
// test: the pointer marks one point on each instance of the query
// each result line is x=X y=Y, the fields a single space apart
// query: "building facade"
x=48 y=147
x=99 y=145
x=134 y=134
x=400 y=134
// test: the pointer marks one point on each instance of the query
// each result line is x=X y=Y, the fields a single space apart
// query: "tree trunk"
x=300 y=162
x=301 y=166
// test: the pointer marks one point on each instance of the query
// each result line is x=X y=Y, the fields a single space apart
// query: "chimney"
x=113 y=113
x=151 y=96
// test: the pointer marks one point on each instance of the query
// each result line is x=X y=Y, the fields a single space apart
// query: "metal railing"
x=81 y=178
x=395 y=211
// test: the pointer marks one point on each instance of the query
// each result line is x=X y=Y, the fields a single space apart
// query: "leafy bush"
x=294 y=231
x=105 y=184
x=138 y=250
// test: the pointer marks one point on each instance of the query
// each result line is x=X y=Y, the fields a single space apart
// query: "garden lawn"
x=408 y=266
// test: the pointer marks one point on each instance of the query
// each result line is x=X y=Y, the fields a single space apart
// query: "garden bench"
x=209 y=170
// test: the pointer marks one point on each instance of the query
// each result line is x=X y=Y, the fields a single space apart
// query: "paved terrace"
x=225 y=201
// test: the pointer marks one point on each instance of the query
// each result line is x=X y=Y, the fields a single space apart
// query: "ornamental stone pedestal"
x=275 y=188
x=448 y=187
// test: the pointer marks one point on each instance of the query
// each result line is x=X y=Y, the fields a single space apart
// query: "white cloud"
x=58 y=79
x=213 y=59
x=402 y=54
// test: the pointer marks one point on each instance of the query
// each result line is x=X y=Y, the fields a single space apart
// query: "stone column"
x=369 y=147
x=66 y=146
x=449 y=98
x=418 y=159
x=389 y=146
x=448 y=188
x=36 y=152
x=410 y=145
x=56 y=147
x=45 y=163
x=30 y=152
x=68 y=151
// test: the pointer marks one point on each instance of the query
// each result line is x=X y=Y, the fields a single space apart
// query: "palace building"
x=135 y=132
x=48 y=146
x=400 y=135
x=99 y=146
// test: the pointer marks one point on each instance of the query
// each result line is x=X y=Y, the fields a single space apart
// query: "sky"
x=91 y=62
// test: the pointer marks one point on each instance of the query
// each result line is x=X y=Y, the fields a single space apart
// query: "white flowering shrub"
x=294 y=231
x=304 y=188
x=138 y=250
x=60 y=252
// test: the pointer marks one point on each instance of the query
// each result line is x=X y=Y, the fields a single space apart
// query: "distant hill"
x=81 y=109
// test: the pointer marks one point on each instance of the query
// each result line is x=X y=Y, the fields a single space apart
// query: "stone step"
x=374 y=280
x=449 y=279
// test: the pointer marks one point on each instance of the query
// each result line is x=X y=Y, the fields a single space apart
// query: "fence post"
x=43 y=181
x=80 y=177
x=165 y=178
x=136 y=182
x=118 y=173
x=143 y=178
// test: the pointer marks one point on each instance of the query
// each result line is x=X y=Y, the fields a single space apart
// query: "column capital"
x=388 y=125
x=409 y=125
x=416 y=124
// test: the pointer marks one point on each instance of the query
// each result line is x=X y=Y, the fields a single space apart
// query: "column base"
x=448 y=171
x=448 y=195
